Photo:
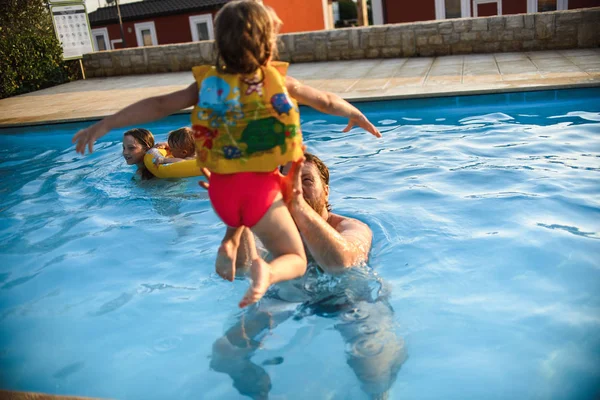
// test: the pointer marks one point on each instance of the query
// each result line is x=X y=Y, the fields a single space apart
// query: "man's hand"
x=87 y=137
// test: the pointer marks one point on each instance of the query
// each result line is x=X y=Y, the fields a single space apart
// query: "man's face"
x=314 y=191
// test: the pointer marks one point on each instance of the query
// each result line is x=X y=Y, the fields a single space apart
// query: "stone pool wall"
x=508 y=33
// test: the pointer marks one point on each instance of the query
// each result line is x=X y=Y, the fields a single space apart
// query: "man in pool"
x=335 y=243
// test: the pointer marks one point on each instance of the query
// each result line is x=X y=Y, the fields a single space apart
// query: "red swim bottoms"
x=243 y=198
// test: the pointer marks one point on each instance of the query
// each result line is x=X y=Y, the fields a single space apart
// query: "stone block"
x=137 y=61
x=435 y=39
x=506 y=36
x=288 y=42
x=393 y=37
x=338 y=34
x=321 y=50
x=496 y=23
x=445 y=28
x=479 y=24
x=124 y=61
x=488 y=36
x=532 y=45
x=591 y=15
x=462 y=48
x=408 y=44
x=372 y=37
x=106 y=63
x=462 y=25
x=514 y=22
x=305 y=57
x=426 y=32
x=357 y=54
x=544 y=25
x=391 y=52
x=483 y=47
x=453 y=38
x=515 y=45
x=354 y=39
x=372 y=53
x=529 y=21
x=468 y=36
x=567 y=31
x=524 y=34
x=567 y=18
x=140 y=70
x=588 y=35
x=207 y=51
x=426 y=51
x=422 y=41
x=174 y=64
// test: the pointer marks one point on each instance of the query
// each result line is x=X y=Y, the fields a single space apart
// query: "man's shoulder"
x=342 y=223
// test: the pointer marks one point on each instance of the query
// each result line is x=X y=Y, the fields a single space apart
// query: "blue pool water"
x=483 y=280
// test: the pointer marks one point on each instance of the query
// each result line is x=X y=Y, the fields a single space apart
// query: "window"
x=145 y=33
x=117 y=43
x=476 y=4
x=100 y=39
x=546 y=5
x=452 y=9
x=201 y=27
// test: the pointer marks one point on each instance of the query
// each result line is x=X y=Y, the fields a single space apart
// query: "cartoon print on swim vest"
x=216 y=108
x=206 y=135
x=255 y=84
x=266 y=134
x=231 y=152
x=282 y=103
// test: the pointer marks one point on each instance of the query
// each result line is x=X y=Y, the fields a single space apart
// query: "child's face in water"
x=178 y=152
x=133 y=151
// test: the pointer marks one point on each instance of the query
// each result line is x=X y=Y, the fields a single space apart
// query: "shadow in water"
x=358 y=308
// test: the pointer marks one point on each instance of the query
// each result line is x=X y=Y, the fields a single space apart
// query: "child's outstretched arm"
x=146 y=110
x=329 y=103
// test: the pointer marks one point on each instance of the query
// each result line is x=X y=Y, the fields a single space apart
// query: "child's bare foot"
x=260 y=272
x=225 y=264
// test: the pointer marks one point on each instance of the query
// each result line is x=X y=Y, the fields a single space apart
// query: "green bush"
x=30 y=54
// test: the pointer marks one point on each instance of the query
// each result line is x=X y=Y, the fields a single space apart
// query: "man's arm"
x=336 y=244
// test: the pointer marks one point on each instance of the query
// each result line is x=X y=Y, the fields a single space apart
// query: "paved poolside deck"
x=353 y=80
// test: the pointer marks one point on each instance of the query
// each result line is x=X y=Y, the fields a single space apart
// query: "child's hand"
x=162 y=145
x=158 y=160
x=206 y=174
x=364 y=123
x=87 y=137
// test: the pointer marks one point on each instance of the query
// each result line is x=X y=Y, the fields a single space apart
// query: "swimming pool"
x=483 y=277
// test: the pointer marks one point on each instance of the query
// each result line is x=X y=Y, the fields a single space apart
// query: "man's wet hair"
x=323 y=171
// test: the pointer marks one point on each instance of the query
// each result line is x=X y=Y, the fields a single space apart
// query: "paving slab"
x=357 y=80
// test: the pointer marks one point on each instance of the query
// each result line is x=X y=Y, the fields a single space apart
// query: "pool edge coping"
x=357 y=99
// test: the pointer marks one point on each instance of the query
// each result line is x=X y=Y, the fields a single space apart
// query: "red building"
x=156 y=22
x=396 y=11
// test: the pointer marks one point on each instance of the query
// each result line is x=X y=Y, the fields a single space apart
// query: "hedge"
x=30 y=54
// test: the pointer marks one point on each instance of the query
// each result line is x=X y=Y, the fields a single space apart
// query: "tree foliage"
x=30 y=54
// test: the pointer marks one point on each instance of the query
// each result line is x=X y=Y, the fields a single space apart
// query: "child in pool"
x=181 y=145
x=136 y=142
x=245 y=125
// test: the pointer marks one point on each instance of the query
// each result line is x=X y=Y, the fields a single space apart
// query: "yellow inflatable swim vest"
x=180 y=169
